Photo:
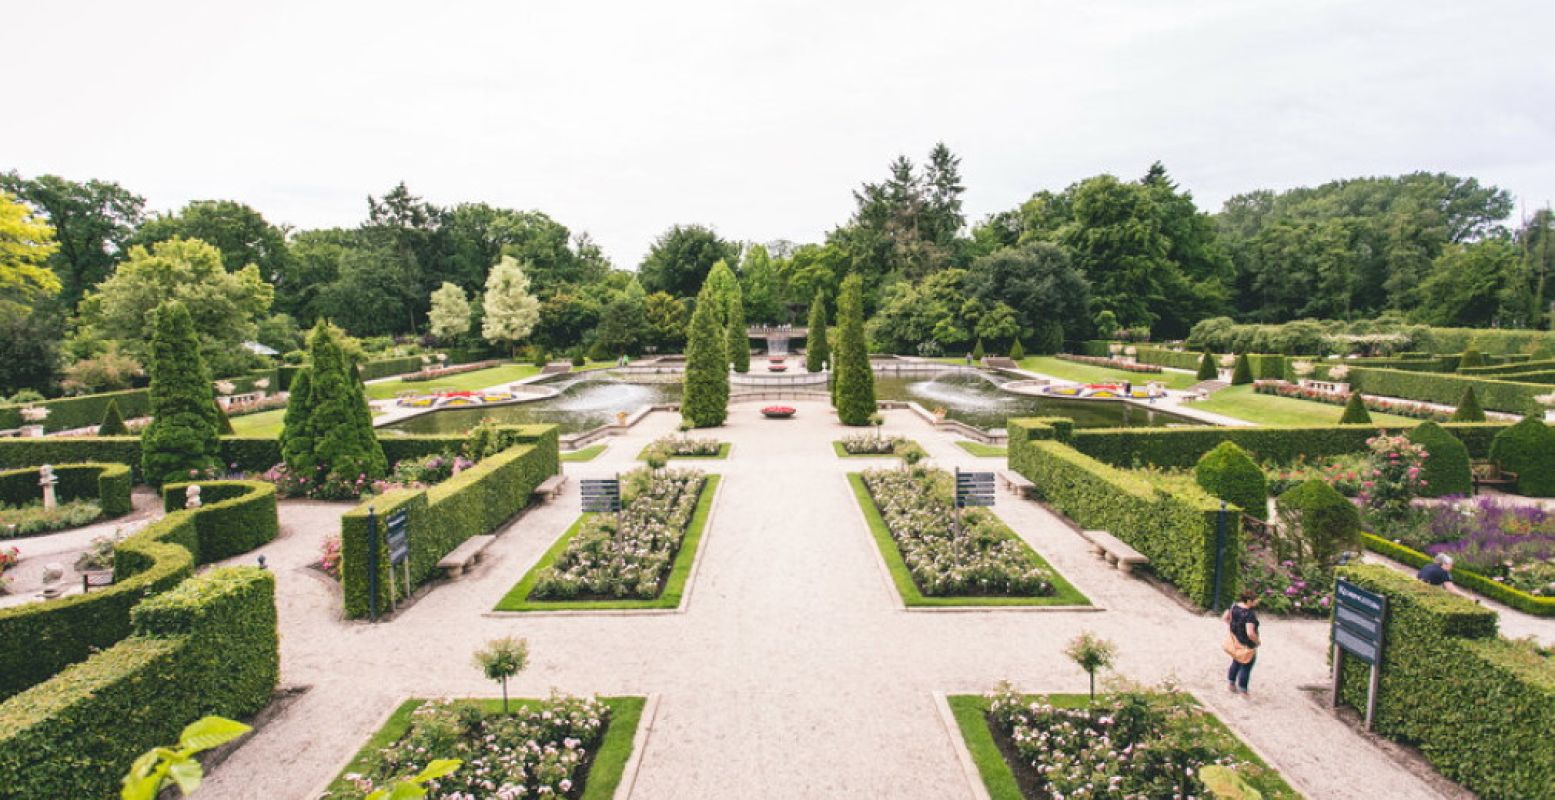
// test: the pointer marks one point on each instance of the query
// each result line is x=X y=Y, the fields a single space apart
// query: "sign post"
x=397 y=529
x=372 y=564
x=1360 y=620
x=972 y=489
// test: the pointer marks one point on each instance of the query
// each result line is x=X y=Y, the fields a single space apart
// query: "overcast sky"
x=624 y=118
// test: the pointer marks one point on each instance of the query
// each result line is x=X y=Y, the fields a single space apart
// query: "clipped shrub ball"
x=1528 y=449
x=1324 y=520
x=1355 y=412
x=1468 y=409
x=1471 y=358
x=113 y=421
x=1242 y=374
x=1228 y=473
x=1446 y=469
x=1207 y=369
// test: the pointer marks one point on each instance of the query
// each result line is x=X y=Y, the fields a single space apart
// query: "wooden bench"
x=454 y=564
x=550 y=486
x=1016 y=482
x=1114 y=550
x=1489 y=474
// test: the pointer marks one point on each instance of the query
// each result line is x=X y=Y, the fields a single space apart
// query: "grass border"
x=517 y=598
x=723 y=452
x=999 y=779
x=1066 y=594
x=983 y=450
x=585 y=454
x=836 y=447
x=605 y=774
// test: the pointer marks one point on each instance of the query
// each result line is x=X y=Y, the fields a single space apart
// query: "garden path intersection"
x=793 y=672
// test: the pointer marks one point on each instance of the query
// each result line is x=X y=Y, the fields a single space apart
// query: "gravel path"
x=791 y=673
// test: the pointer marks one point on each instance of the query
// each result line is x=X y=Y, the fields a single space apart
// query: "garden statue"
x=47 y=479
x=621 y=419
x=53 y=580
x=192 y=496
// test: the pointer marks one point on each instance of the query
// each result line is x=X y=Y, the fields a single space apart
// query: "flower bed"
x=627 y=555
x=778 y=412
x=266 y=403
x=1510 y=543
x=33 y=518
x=869 y=444
x=1402 y=408
x=686 y=447
x=982 y=558
x=561 y=747
x=1129 y=745
x=1112 y=363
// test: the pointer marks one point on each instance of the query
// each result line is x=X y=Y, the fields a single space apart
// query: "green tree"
x=182 y=439
x=1049 y=338
x=1468 y=409
x=853 y=382
x=1469 y=285
x=511 y=312
x=241 y=233
x=623 y=326
x=344 y=448
x=1355 y=412
x=1207 y=369
x=113 y=421
x=1242 y=373
x=1227 y=472
x=734 y=326
x=296 y=441
x=26 y=242
x=816 y=351
x=92 y=223
x=760 y=287
x=667 y=320
x=450 y=314
x=705 y=399
x=679 y=261
x=1106 y=324
x=1091 y=653
x=500 y=660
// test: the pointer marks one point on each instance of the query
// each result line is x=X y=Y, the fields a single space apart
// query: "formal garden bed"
x=684 y=447
x=1153 y=744
x=640 y=559
x=933 y=564
x=873 y=445
x=561 y=746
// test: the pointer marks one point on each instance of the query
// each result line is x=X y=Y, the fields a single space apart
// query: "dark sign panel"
x=601 y=496
x=398 y=537
x=1358 y=621
x=974 y=489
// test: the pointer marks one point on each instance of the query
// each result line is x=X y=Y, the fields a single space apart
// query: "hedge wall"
x=1181 y=447
x=388 y=367
x=1446 y=389
x=235 y=516
x=1163 y=357
x=1495 y=590
x=61 y=632
x=108 y=484
x=1175 y=530
x=474 y=502
x=1488 y=341
x=1480 y=708
x=1267 y=366
x=1096 y=347
x=1513 y=368
x=67 y=413
x=209 y=646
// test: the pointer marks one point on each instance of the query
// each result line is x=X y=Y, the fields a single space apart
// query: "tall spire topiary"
x=853 y=391
x=1355 y=412
x=344 y=447
x=182 y=439
x=296 y=446
x=816 y=349
x=113 y=421
x=1242 y=373
x=1468 y=409
x=705 y=399
x=734 y=325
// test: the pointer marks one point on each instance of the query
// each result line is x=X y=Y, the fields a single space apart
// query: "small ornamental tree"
x=705 y=399
x=345 y=450
x=853 y=390
x=1323 y=521
x=1227 y=472
x=296 y=445
x=1242 y=373
x=1445 y=470
x=1468 y=409
x=1017 y=352
x=1207 y=369
x=500 y=660
x=1355 y=412
x=1528 y=449
x=182 y=440
x=1471 y=358
x=977 y=351
x=816 y=351
x=1092 y=653
x=113 y=421
x=734 y=327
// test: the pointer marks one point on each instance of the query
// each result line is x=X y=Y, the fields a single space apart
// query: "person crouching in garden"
x=1241 y=641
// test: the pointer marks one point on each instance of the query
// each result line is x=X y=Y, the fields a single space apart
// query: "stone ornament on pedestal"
x=192 y=496
x=47 y=479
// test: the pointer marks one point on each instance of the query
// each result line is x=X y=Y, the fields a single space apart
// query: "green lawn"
x=604 y=774
x=983 y=450
x=1085 y=373
x=463 y=382
x=265 y=423
x=970 y=712
x=586 y=454
x=1267 y=409
x=1066 y=594
x=517 y=598
x=723 y=452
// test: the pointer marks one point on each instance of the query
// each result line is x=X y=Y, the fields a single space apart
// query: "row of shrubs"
x=1181 y=447
x=1497 y=395
x=1175 y=530
x=108 y=484
x=69 y=413
x=477 y=501
x=1479 y=707
x=208 y=646
x=45 y=637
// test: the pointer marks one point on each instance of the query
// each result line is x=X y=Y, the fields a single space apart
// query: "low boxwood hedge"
x=1175 y=530
x=68 y=413
x=1479 y=708
x=108 y=484
x=208 y=646
x=1162 y=357
x=1513 y=368
x=235 y=516
x=51 y=635
x=475 y=502
x=1498 y=395
x=16 y=453
x=1495 y=590
x=1181 y=447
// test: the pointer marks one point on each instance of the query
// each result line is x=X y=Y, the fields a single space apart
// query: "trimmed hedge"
x=1267 y=366
x=235 y=516
x=1446 y=389
x=1175 y=530
x=108 y=484
x=1242 y=373
x=1327 y=521
x=389 y=367
x=1096 y=347
x=1446 y=470
x=1162 y=357
x=1495 y=590
x=68 y=413
x=1181 y=447
x=1512 y=368
x=207 y=647
x=64 y=631
x=1355 y=411
x=1528 y=449
x=1228 y=473
x=475 y=502
x=1480 y=708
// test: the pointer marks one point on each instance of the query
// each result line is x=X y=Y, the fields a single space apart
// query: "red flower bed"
x=1111 y=363
x=778 y=412
x=1402 y=408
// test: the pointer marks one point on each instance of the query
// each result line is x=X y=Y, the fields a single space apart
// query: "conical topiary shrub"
x=296 y=445
x=1468 y=409
x=1242 y=374
x=1207 y=369
x=1355 y=412
x=113 y=421
x=345 y=448
x=977 y=350
x=182 y=440
x=816 y=350
x=1325 y=520
x=1228 y=473
x=1446 y=467
x=854 y=384
x=1016 y=351
x=734 y=324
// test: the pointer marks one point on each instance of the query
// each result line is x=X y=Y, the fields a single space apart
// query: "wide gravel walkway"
x=792 y=672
